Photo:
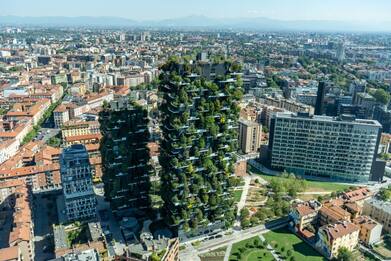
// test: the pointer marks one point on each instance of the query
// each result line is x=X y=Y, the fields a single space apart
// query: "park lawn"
x=312 y=186
x=250 y=254
x=301 y=251
x=237 y=195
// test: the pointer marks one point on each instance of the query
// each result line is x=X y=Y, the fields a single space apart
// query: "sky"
x=341 y=10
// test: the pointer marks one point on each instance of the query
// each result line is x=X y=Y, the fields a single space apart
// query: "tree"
x=245 y=223
x=345 y=254
x=289 y=252
x=382 y=96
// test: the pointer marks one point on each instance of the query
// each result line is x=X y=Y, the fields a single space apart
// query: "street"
x=191 y=252
x=44 y=134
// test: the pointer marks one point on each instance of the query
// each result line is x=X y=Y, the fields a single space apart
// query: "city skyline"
x=364 y=11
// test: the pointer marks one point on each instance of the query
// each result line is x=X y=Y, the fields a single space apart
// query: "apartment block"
x=249 y=136
x=370 y=230
x=380 y=211
x=331 y=238
x=341 y=148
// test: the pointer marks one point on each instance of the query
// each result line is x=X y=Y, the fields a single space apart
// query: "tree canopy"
x=382 y=96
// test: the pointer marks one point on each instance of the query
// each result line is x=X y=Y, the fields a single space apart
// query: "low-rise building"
x=370 y=230
x=61 y=116
x=380 y=211
x=79 y=127
x=332 y=212
x=304 y=214
x=331 y=238
x=16 y=222
x=149 y=246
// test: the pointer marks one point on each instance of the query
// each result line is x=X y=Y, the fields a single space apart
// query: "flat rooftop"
x=347 y=119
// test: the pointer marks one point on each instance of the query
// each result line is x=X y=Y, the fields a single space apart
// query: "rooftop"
x=328 y=119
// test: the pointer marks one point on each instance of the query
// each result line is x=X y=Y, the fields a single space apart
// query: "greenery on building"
x=125 y=157
x=199 y=119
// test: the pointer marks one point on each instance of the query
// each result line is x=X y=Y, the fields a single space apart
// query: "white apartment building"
x=325 y=147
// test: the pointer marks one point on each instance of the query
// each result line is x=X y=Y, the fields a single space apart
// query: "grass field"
x=237 y=195
x=312 y=186
x=301 y=251
x=250 y=253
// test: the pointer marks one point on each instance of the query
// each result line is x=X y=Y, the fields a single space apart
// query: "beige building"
x=305 y=214
x=332 y=237
x=77 y=128
x=249 y=136
x=380 y=211
x=61 y=116
x=370 y=230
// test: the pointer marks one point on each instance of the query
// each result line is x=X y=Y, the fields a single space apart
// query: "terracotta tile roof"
x=25 y=171
x=353 y=206
x=334 y=212
x=92 y=147
x=60 y=108
x=305 y=210
x=358 y=194
x=9 y=253
x=339 y=229
x=365 y=221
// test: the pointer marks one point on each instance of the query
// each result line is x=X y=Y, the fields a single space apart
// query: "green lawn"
x=237 y=195
x=311 y=185
x=250 y=253
x=301 y=251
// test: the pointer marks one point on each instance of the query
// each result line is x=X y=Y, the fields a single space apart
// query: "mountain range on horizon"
x=253 y=23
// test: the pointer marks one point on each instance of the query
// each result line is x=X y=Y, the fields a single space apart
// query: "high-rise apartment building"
x=125 y=157
x=76 y=178
x=320 y=99
x=200 y=135
x=320 y=146
x=249 y=136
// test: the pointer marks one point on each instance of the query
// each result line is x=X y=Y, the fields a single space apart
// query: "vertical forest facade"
x=199 y=118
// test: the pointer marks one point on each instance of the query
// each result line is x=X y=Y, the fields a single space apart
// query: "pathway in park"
x=242 y=201
x=270 y=248
x=228 y=252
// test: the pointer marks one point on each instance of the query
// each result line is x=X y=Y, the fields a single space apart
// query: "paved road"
x=45 y=134
x=365 y=249
x=236 y=237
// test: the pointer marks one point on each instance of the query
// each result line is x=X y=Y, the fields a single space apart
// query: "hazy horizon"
x=371 y=11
